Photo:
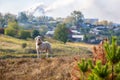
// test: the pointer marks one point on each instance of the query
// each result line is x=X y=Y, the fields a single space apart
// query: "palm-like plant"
x=112 y=53
x=93 y=77
x=117 y=71
x=83 y=66
x=91 y=64
x=117 y=68
x=101 y=71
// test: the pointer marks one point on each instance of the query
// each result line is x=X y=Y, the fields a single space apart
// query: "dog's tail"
x=50 y=50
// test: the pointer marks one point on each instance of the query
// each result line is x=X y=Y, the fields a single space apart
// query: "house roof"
x=78 y=36
x=50 y=32
x=75 y=31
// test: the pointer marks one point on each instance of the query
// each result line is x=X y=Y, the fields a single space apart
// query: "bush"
x=10 y=32
x=108 y=70
x=61 y=33
x=30 y=51
x=24 y=45
x=1 y=30
x=35 y=33
x=12 y=29
x=24 y=34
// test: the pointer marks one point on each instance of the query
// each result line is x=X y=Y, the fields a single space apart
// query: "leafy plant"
x=112 y=53
x=91 y=64
x=61 y=33
x=117 y=71
x=24 y=45
x=92 y=77
x=101 y=71
x=83 y=66
x=117 y=68
x=118 y=77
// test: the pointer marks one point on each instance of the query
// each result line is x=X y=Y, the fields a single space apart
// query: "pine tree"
x=92 y=77
x=83 y=66
x=112 y=53
x=101 y=71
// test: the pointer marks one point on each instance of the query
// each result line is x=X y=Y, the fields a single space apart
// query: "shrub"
x=1 y=30
x=35 y=33
x=61 y=33
x=10 y=32
x=24 y=34
x=24 y=45
x=101 y=71
x=83 y=66
x=110 y=52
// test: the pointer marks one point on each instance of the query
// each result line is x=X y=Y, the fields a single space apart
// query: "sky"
x=101 y=9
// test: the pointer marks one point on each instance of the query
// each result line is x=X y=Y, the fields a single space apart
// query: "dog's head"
x=38 y=40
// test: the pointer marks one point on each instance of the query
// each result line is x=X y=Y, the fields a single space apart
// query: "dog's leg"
x=47 y=55
x=37 y=53
x=40 y=53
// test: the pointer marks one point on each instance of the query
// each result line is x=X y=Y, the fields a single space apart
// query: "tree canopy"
x=61 y=33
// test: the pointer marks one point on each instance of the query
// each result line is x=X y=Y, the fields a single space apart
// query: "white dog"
x=42 y=46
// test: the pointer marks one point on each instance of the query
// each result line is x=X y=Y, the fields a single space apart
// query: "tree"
x=10 y=32
x=35 y=33
x=61 y=33
x=1 y=30
x=112 y=53
x=9 y=18
x=12 y=29
x=101 y=71
x=85 y=38
x=2 y=20
x=78 y=18
x=43 y=29
x=23 y=34
x=69 y=21
x=83 y=66
x=22 y=17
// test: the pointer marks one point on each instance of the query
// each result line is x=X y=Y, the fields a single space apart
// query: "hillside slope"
x=36 y=69
x=18 y=64
x=12 y=47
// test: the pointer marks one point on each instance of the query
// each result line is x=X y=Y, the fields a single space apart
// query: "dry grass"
x=15 y=66
x=36 y=69
x=11 y=47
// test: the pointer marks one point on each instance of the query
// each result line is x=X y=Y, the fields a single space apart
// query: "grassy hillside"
x=36 y=69
x=12 y=47
x=17 y=63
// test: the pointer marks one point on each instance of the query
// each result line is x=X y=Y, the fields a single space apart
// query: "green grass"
x=12 y=47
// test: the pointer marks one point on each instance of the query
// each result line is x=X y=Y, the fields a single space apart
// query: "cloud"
x=57 y=4
x=43 y=8
x=36 y=7
x=107 y=9
x=102 y=9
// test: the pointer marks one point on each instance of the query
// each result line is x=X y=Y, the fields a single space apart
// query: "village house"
x=74 y=35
